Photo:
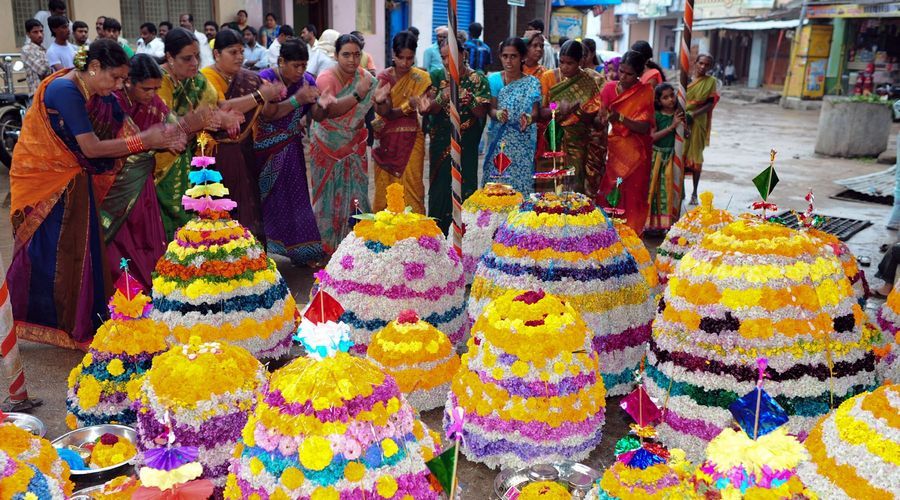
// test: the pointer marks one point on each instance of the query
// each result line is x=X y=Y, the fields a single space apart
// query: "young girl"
x=666 y=179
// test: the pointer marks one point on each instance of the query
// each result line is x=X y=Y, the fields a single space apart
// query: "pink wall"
x=343 y=19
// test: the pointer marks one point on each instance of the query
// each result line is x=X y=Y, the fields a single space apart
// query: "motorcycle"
x=891 y=93
x=12 y=110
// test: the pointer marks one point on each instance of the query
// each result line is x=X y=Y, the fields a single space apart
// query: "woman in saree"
x=570 y=87
x=187 y=93
x=535 y=54
x=701 y=97
x=240 y=90
x=628 y=105
x=129 y=211
x=337 y=150
x=653 y=73
x=474 y=100
x=59 y=280
x=400 y=154
x=288 y=218
x=515 y=101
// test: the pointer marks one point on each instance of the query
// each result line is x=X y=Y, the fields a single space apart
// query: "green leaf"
x=442 y=467
x=765 y=182
x=364 y=216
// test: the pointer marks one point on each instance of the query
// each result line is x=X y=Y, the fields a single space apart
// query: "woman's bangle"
x=134 y=143
x=257 y=96
x=405 y=108
x=181 y=127
x=294 y=103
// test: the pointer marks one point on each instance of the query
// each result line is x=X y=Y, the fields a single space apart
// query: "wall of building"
x=342 y=18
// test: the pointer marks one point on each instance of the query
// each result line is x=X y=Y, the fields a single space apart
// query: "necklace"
x=223 y=75
x=507 y=79
x=83 y=87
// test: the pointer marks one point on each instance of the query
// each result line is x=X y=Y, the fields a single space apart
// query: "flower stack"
x=392 y=261
x=202 y=393
x=638 y=251
x=849 y=264
x=30 y=468
x=215 y=280
x=482 y=214
x=329 y=426
x=752 y=290
x=855 y=450
x=738 y=466
x=889 y=353
x=564 y=245
x=419 y=357
x=529 y=384
x=104 y=385
x=644 y=469
x=687 y=232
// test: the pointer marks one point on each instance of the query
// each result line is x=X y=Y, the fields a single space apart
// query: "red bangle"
x=134 y=143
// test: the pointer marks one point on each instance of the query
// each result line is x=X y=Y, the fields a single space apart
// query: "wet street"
x=742 y=136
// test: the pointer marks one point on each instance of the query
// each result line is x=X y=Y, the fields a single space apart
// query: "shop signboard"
x=566 y=22
x=854 y=10
x=653 y=8
x=724 y=9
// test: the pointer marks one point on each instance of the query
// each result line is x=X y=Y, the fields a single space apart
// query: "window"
x=365 y=16
x=24 y=10
x=134 y=14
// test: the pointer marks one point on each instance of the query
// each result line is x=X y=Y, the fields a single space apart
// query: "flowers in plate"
x=201 y=393
x=755 y=290
x=564 y=245
x=482 y=214
x=392 y=261
x=529 y=384
x=855 y=450
x=30 y=468
x=545 y=490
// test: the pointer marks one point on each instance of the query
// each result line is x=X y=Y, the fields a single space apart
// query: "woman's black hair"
x=228 y=37
x=573 y=49
x=634 y=59
x=518 y=44
x=344 y=40
x=294 y=49
x=414 y=31
x=404 y=40
x=177 y=39
x=107 y=52
x=590 y=46
x=658 y=92
x=644 y=48
x=143 y=67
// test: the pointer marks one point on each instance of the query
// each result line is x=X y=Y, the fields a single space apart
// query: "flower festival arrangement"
x=638 y=251
x=419 y=357
x=332 y=426
x=755 y=289
x=482 y=214
x=855 y=450
x=687 y=232
x=562 y=244
x=30 y=468
x=392 y=261
x=529 y=384
x=103 y=387
x=545 y=490
x=215 y=280
x=202 y=394
x=888 y=318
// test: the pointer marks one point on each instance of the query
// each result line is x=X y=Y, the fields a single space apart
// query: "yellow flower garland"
x=545 y=490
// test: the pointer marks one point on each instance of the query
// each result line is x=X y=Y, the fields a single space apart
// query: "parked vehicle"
x=891 y=93
x=12 y=110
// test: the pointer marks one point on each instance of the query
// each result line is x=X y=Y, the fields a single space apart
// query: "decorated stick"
x=455 y=148
x=455 y=432
x=684 y=67
x=11 y=370
x=553 y=107
x=761 y=364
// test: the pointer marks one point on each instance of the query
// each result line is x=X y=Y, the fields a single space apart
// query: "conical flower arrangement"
x=215 y=280
x=565 y=246
x=329 y=426
x=751 y=290
x=482 y=214
x=30 y=468
x=889 y=352
x=103 y=387
x=392 y=261
x=529 y=384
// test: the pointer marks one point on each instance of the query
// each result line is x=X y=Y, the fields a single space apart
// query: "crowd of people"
x=105 y=152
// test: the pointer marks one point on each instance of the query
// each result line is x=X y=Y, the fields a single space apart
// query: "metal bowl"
x=510 y=482
x=85 y=435
x=28 y=422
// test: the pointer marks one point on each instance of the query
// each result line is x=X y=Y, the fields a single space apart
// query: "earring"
x=92 y=73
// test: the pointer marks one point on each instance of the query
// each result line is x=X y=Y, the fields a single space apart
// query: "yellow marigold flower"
x=115 y=367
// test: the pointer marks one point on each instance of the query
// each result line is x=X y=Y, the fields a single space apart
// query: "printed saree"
x=171 y=171
x=699 y=92
x=400 y=154
x=666 y=180
x=517 y=97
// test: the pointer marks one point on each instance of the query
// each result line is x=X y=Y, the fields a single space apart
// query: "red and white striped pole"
x=684 y=68
x=11 y=371
x=455 y=147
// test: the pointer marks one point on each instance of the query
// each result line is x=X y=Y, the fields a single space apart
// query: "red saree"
x=629 y=152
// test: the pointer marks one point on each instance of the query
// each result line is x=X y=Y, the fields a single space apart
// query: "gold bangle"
x=405 y=108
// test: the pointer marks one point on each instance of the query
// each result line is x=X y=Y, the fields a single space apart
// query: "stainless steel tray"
x=80 y=437
x=508 y=481
x=28 y=422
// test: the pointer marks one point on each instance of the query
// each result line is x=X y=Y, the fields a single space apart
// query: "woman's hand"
x=272 y=91
x=382 y=93
x=162 y=137
x=230 y=121
x=424 y=102
x=678 y=118
x=306 y=94
x=524 y=121
x=363 y=86
x=502 y=115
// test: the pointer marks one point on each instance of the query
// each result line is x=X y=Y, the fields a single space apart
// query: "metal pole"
x=455 y=147
x=513 y=13
x=684 y=69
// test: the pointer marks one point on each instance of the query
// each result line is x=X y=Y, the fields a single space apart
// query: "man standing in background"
x=164 y=28
x=308 y=34
x=34 y=55
x=147 y=43
x=284 y=33
x=80 y=32
x=61 y=54
x=186 y=21
x=255 y=55
x=432 y=59
x=99 y=26
x=55 y=8
x=211 y=29
x=479 y=52
x=112 y=29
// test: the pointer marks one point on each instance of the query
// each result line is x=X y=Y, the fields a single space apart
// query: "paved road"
x=742 y=136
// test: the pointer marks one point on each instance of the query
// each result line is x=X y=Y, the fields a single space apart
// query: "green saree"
x=577 y=136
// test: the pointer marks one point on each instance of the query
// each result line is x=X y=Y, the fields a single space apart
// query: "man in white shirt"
x=61 y=53
x=186 y=21
x=80 y=32
x=284 y=33
x=255 y=55
x=55 y=8
x=148 y=43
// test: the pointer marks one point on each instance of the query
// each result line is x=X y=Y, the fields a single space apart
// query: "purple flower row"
x=394 y=292
x=531 y=241
x=348 y=411
x=517 y=387
x=630 y=337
